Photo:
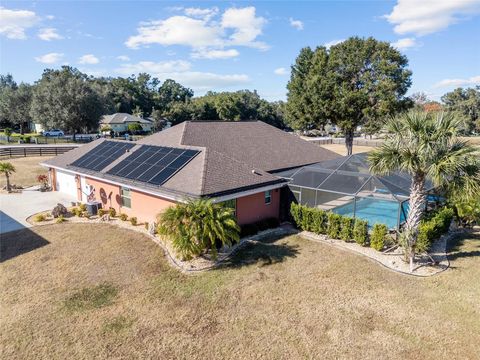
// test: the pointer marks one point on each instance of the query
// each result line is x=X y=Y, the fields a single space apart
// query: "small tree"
x=43 y=180
x=134 y=127
x=197 y=225
x=8 y=133
x=7 y=169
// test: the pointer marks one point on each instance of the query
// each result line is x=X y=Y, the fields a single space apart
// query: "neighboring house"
x=119 y=122
x=233 y=162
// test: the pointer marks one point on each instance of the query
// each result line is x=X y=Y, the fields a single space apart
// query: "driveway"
x=16 y=208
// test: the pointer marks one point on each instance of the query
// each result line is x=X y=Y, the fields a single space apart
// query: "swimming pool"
x=374 y=211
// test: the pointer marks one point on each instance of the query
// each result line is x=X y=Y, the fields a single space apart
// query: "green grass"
x=91 y=297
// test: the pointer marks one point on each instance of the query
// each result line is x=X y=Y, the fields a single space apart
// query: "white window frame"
x=124 y=197
x=268 y=195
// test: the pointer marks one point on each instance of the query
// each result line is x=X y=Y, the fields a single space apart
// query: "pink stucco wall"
x=252 y=208
x=145 y=207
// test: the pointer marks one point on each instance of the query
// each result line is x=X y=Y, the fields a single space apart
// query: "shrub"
x=360 y=232
x=133 y=221
x=320 y=221
x=85 y=214
x=432 y=228
x=43 y=180
x=112 y=212
x=123 y=217
x=334 y=225
x=101 y=212
x=248 y=230
x=377 y=239
x=40 y=217
x=59 y=210
x=146 y=225
x=295 y=211
x=83 y=207
x=60 y=219
x=308 y=214
x=346 y=232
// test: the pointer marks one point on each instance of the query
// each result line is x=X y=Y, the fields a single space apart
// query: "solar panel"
x=102 y=155
x=153 y=164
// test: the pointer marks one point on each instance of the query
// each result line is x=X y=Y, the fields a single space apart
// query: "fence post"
x=40 y=151
x=24 y=152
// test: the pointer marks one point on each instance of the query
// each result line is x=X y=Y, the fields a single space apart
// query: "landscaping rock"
x=59 y=210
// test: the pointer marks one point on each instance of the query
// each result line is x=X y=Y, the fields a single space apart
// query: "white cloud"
x=202 y=13
x=405 y=43
x=329 y=44
x=297 y=24
x=199 y=31
x=123 y=58
x=423 y=17
x=280 y=71
x=88 y=59
x=474 y=80
x=50 y=58
x=215 y=54
x=181 y=71
x=14 y=23
x=49 y=34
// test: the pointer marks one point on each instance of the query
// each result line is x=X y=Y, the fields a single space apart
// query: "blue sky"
x=235 y=45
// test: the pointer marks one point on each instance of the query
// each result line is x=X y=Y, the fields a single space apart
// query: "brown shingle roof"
x=233 y=156
x=252 y=142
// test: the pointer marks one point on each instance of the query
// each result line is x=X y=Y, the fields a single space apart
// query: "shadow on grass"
x=18 y=242
x=267 y=251
x=458 y=248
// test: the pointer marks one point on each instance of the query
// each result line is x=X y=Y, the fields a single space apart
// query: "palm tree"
x=425 y=145
x=197 y=225
x=7 y=168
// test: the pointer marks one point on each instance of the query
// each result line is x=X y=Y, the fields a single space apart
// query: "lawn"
x=27 y=170
x=95 y=291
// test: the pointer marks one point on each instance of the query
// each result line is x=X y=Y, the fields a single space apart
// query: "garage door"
x=66 y=183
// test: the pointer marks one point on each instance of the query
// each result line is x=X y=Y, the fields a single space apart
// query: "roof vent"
x=255 y=172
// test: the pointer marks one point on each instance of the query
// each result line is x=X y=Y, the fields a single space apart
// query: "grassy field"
x=95 y=291
x=27 y=170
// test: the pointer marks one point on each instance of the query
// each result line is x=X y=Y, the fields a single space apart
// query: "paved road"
x=16 y=208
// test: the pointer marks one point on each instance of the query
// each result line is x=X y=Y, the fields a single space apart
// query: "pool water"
x=374 y=211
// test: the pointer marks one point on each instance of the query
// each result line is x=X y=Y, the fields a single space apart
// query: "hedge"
x=337 y=226
x=432 y=228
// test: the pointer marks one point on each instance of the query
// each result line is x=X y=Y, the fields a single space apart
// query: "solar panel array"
x=153 y=164
x=102 y=155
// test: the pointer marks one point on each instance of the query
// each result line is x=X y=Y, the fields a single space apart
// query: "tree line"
x=73 y=101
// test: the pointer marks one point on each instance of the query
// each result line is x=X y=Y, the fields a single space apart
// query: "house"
x=119 y=122
x=232 y=162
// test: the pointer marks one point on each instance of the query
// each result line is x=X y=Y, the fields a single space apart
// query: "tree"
x=67 y=100
x=134 y=128
x=171 y=92
x=7 y=169
x=197 y=225
x=466 y=104
x=357 y=82
x=425 y=145
x=15 y=104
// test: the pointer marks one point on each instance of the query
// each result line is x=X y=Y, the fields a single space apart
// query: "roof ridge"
x=204 y=171
x=183 y=133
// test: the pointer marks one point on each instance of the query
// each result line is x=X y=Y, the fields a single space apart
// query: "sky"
x=231 y=45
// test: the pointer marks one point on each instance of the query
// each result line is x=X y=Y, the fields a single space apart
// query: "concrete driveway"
x=16 y=208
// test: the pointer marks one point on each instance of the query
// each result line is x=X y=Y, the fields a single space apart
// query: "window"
x=232 y=204
x=268 y=197
x=125 y=195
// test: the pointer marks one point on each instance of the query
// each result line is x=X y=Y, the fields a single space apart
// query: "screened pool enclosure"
x=346 y=186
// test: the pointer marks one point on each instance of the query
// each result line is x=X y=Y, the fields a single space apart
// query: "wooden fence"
x=32 y=150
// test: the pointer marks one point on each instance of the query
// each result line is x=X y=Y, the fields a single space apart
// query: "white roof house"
x=120 y=121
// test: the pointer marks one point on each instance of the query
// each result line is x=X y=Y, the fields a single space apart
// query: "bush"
x=377 y=239
x=83 y=207
x=133 y=221
x=248 y=230
x=59 y=210
x=146 y=225
x=360 y=232
x=60 y=219
x=431 y=228
x=334 y=225
x=346 y=233
x=320 y=221
x=40 y=217
x=123 y=217
x=101 y=212
x=75 y=211
x=296 y=214
x=112 y=212
x=85 y=214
